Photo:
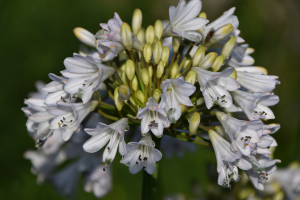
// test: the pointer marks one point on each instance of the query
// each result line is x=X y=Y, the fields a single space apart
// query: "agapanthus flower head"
x=147 y=79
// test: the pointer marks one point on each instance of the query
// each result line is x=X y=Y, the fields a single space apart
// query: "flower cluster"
x=186 y=78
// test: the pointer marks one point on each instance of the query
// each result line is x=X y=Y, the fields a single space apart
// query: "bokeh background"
x=36 y=36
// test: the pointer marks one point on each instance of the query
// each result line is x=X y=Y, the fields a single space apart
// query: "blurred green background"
x=37 y=35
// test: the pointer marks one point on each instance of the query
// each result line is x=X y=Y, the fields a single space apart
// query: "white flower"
x=56 y=91
x=215 y=86
x=99 y=181
x=254 y=79
x=229 y=172
x=114 y=133
x=142 y=155
x=69 y=116
x=222 y=150
x=109 y=42
x=184 y=21
x=85 y=75
x=177 y=91
x=261 y=111
x=153 y=117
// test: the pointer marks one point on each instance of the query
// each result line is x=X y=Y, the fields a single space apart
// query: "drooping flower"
x=215 y=86
x=142 y=154
x=85 y=76
x=109 y=41
x=153 y=117
x=184 y=21
x=177 y=91
x=69 y=116
x=114 y=133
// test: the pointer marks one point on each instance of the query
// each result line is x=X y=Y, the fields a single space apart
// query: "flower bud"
x=177 y=75
x=124 y=92
x=157 y=50
x=228 y=47
x=203 y=15
x=186 y=62
x=124 y=78
x=141 y=36
x=220 y=34
x=150 y=34
x=156 y=94
x=200 y=53
x=147 y=52
x=126 y=36
x=208 y=60
x=158 y=27
x=136 y=21
x=132 y=100
x=160 y=69
x=218 y=63
x=191 y=77
x=141 y=97
x=150 y=71
x=119 y=104
x=165 y=55
x=85 y=36
x=183 y=108
x=233 y=74
x=174 y=70
x=145 y=76
x=194 y=121
x=134 y=83
x=130 y=69
x=176 y=43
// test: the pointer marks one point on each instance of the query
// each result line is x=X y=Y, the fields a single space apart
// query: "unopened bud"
x=136 y=21
x=191 y=77
x=203 y=15
x=158 y=27
x=200 y=53
x=150 y=34
x=177 y=75
x=187 y=62
x=123 y=76
x=165 y=55
x=147 y=52
x=85 y=36
x=141 y=97
x=124 y=92
x=194 y=122
x=208 y=60
x=130 y=69
x=228 y=47
x=118 y=102
x=233 y=74
x=141 y=36
x=126 y=36
x=160 y=69
x=134 y=83
x=150 y=71
x=174 y=70
x=132 y=100
x=218 y=63
x=183 y=108
x=220 y=34
x=145 y=76
x=156 y=94
x=157 y=50
x=176 y=43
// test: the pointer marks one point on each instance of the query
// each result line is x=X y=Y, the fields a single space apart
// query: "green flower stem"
x=118 y=78
x=181 y=64
x=170 y=66
x=132 y=106
x=187 y=138
x=107 y=115
x=138 y=74
x=106 y=106
x=146 y=93
x=149 y=187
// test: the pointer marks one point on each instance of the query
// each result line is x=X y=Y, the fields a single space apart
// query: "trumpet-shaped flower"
x=177 y=91
x=114 y=133
x=215 y=86
x=184 y=21
x=85 y=76
x=153 y=117
x=142 y=154
x=69 y=116
x=109 y=41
